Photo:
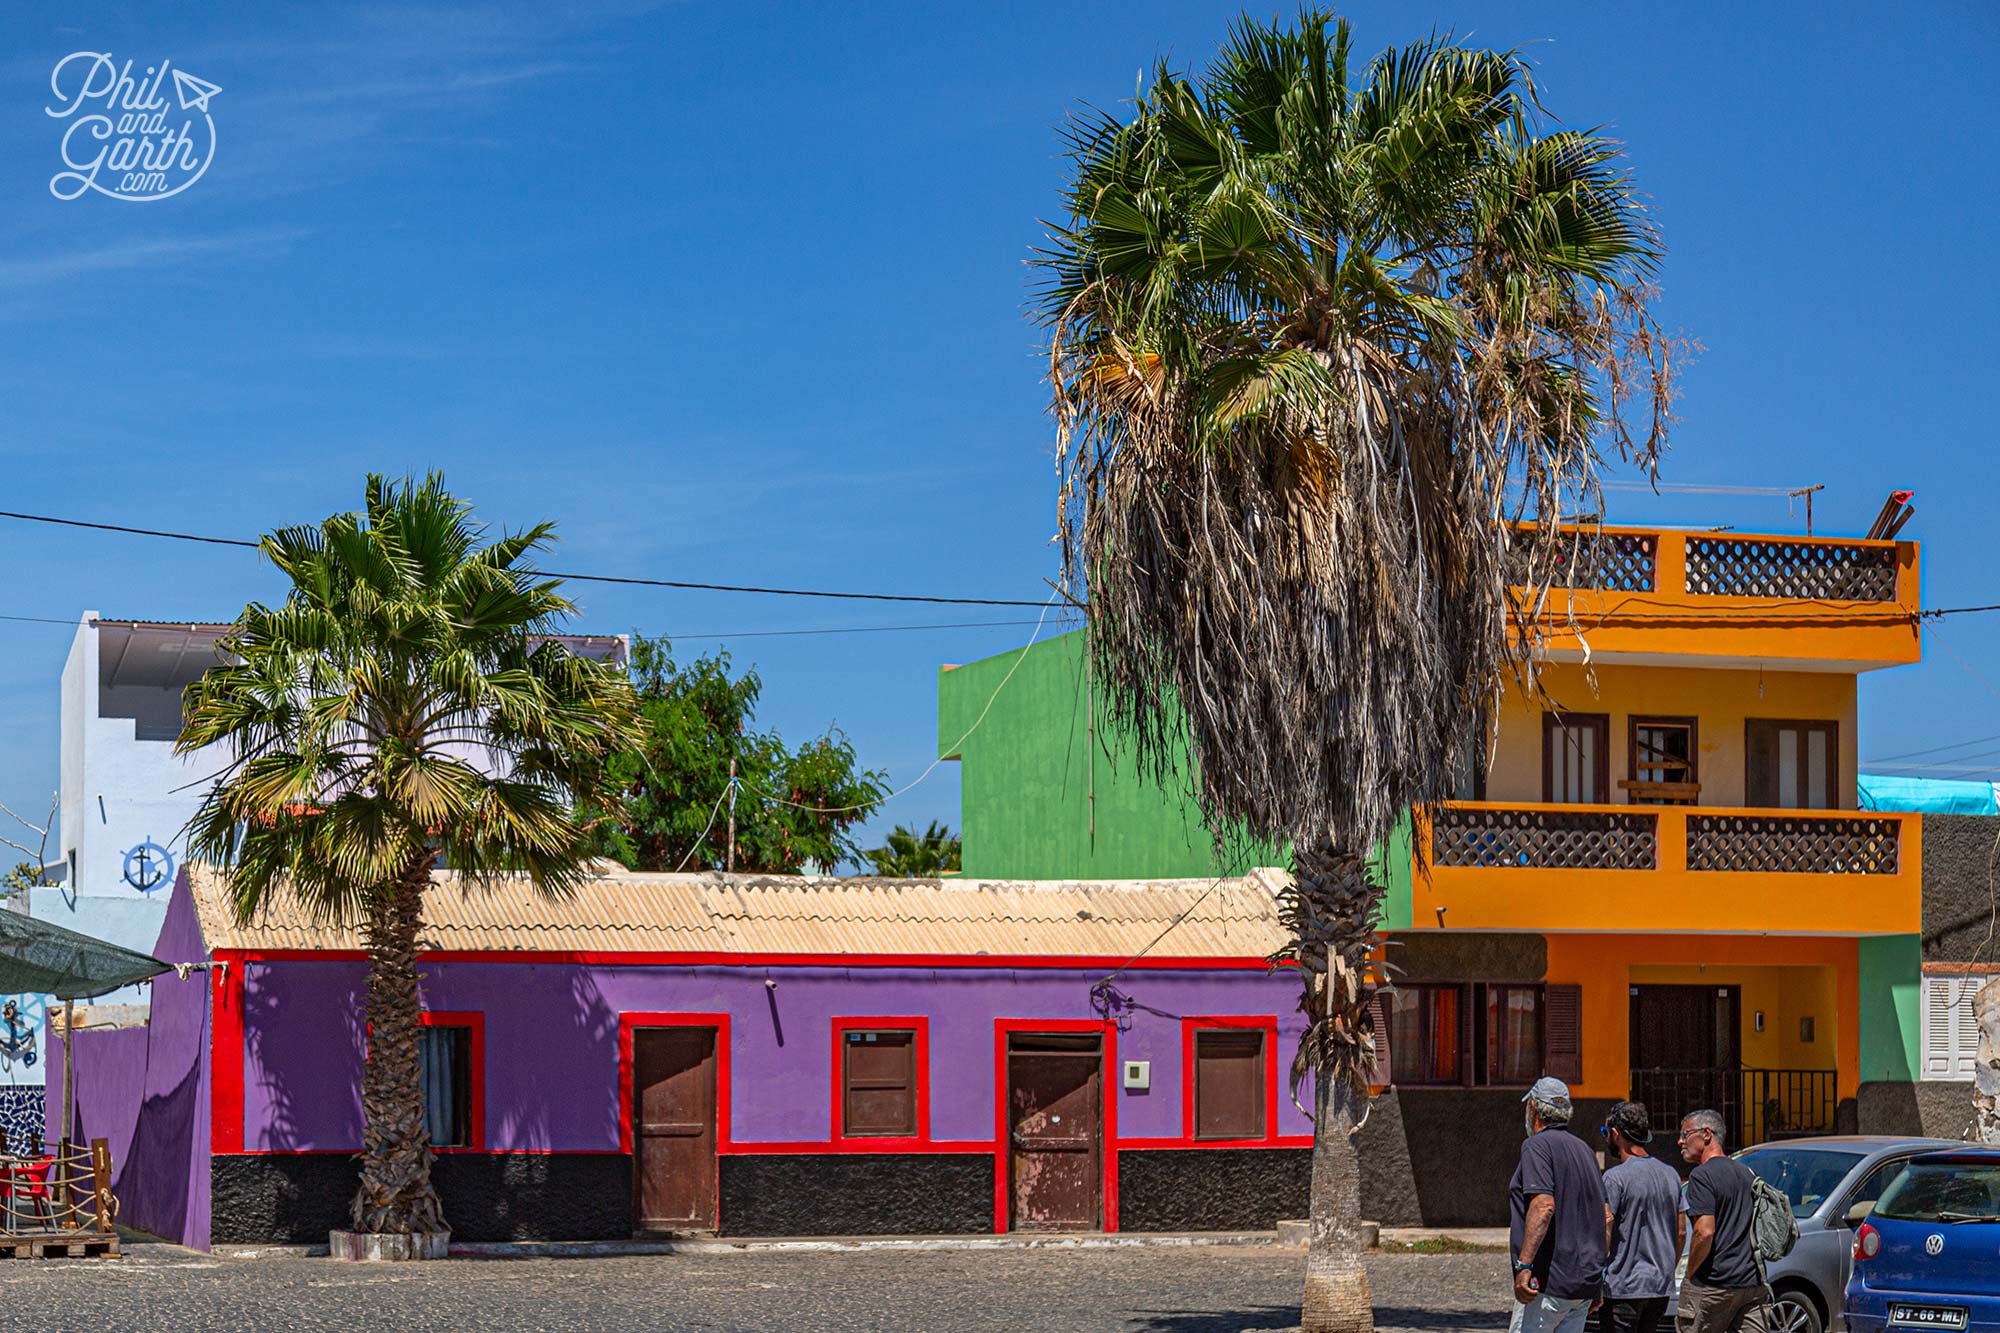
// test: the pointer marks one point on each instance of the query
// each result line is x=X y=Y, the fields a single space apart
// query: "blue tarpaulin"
x=1937 y=796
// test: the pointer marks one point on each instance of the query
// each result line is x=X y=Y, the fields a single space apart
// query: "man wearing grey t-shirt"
x=1644 y=1225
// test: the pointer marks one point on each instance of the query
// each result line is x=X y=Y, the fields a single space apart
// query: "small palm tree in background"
x=399 y=710
x=908 y=854
x=1318 y=343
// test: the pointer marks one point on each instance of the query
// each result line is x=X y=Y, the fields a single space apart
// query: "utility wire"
x=1019 y=657
x=582 y=578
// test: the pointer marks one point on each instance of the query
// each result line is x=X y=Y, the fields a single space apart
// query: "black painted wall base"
x=1212 y=1189
x=1442 y=1157
x=296 y=1198
x=856 y=1194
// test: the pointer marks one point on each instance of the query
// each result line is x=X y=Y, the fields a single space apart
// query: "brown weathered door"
x=673 y=1128
x=1055 y=1117
x=1685 y=1055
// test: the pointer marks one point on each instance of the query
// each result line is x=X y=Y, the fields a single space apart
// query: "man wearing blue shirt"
x=1557 y=1203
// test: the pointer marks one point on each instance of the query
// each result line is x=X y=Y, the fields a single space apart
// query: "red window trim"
x=630 y=1020
x=475 y=1020
x=1108 y=1094
x=838 y=1136
x=1265 y=1023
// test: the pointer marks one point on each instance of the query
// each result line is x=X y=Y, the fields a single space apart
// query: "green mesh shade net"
x=37 y=958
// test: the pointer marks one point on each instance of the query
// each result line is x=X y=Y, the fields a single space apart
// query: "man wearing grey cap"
x=1557 y=1234
x=1643 y=1223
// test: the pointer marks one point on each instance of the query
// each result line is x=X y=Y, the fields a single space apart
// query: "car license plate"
x=1927 y=1316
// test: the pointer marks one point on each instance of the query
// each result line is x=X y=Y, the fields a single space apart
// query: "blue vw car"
x=1929 y=1254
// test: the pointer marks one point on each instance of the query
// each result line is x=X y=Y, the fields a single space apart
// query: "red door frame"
x=630 y=1022
x=1107 y=1098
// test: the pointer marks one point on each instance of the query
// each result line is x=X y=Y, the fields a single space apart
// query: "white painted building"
x=125 y=796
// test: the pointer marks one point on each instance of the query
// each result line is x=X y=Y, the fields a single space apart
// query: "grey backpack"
x=1773 y=1229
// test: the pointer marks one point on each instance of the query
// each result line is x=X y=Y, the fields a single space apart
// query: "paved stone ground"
x=1138 y=1290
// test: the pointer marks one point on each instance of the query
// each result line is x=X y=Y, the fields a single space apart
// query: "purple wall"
x=146 y=1091
x=552 y=1042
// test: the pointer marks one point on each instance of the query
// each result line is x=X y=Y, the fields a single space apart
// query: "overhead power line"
x=839 y=595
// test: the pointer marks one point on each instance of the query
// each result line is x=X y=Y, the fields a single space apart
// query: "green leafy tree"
x=402 y=707
x=1320 y=331
x=908 y=854
x=793 y=808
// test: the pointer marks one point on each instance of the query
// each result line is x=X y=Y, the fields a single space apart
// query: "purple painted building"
x=751 y=1055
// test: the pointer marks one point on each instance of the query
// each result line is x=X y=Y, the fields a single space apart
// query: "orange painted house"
x=1656 y=884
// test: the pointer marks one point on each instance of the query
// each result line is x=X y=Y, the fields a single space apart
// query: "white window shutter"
x=1950 y=1026
x=1965 y=1056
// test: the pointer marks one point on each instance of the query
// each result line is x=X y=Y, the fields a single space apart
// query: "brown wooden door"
x=1686 y=1055
x=1055 y=1118
x=673 y=1128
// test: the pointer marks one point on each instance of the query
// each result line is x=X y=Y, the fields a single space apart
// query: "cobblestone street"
x=1133 y=1290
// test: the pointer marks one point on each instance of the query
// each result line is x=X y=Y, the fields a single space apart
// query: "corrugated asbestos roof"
x=767 y=914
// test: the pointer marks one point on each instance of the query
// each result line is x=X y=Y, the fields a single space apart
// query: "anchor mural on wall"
x=148 y=866
x=17 y=1038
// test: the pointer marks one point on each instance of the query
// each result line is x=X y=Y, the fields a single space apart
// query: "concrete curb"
x=612 y=1249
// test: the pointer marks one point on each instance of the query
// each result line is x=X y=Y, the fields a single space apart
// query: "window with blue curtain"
x=444 y=1067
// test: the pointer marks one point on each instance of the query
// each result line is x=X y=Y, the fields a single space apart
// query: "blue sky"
x=736 y=293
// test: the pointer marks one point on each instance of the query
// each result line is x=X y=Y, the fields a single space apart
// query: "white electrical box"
x=1138 y=1074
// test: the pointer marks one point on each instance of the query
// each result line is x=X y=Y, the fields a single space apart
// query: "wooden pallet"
x=72 y=1245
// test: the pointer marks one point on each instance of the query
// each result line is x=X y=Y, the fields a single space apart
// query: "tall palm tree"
x=401 y=709
x=1318 y=344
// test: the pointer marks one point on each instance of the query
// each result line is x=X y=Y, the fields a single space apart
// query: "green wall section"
x=1029 y=770
x=1891 y=968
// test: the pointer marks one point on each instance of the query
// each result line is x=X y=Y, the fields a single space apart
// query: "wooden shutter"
x=1383 y=1074
x=1950 y=1026
x=879 y=1096
x=1562 y=1029
x=1229 y=1083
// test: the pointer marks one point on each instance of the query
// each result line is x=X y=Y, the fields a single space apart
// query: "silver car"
x=1832 y=1182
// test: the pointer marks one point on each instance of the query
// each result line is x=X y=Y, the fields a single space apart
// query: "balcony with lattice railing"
x=1630 y=593
x=1529 y=866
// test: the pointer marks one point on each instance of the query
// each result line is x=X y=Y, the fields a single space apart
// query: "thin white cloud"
x=149 y=252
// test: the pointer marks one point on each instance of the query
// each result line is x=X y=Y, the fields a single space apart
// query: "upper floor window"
x=1663 y=761
x=1576 y=753
x=1791 y=764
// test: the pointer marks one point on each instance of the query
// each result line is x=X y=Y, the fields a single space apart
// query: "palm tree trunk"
x=1331 y=912
x=395 y=1195
x=1337 y=1298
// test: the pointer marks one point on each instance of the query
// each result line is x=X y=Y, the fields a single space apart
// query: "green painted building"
x=1050 y=791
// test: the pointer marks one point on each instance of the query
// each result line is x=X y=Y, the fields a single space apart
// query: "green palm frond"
x=1317 y=327
x=397 y=707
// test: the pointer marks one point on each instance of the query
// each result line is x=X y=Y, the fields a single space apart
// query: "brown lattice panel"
x=1793 y=844
x=1613 y=561
x=1545 y=839
x=1832 y=571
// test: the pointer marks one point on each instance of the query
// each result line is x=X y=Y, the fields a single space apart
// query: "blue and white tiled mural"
x=23 y=1048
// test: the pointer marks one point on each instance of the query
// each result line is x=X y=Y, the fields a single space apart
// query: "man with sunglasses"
x=1643 y=1224
x=1724 y=1291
